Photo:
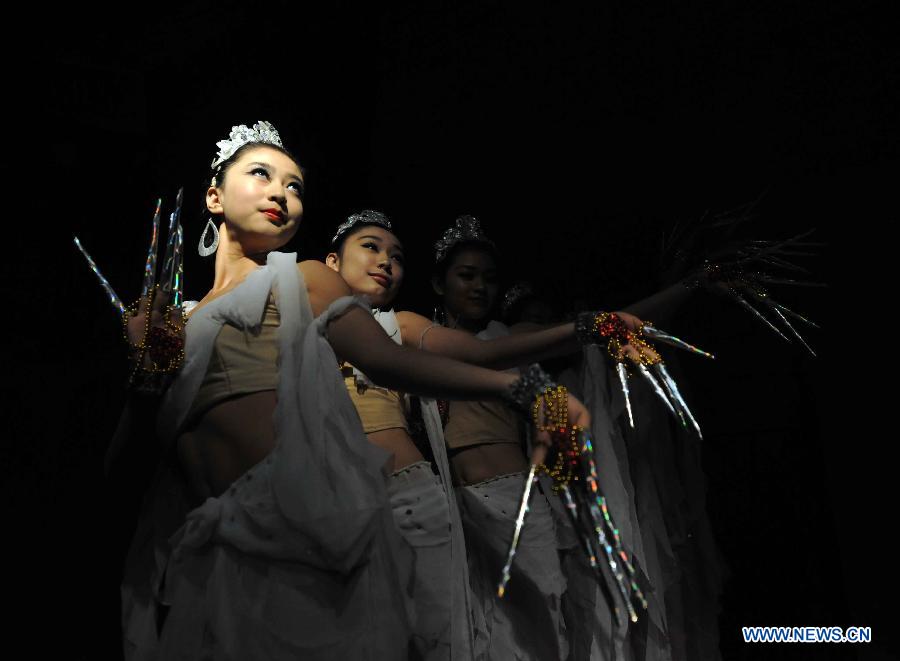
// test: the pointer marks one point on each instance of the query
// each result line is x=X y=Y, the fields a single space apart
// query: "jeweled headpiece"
x=240 y=135
x=364 y=217
x=515 y=294
x=466 y=229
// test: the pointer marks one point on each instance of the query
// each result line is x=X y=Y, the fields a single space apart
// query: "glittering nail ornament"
x=574 y=477
x=743 y=275
x=607 y=328
x=160 y=352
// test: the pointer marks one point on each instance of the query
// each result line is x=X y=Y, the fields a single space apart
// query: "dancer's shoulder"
x=323 y=285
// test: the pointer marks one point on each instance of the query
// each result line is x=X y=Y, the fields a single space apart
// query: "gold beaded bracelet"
x=554 y=401
x=592 y=327
x=165 y=349
x=564 y=470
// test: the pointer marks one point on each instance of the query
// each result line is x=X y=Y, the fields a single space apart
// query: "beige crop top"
x=378 y=408
x=475 y=423
x=242 y=362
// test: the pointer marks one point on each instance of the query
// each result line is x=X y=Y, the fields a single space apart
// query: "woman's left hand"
x=636 y=351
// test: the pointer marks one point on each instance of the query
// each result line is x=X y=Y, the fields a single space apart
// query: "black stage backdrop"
x=579 y=135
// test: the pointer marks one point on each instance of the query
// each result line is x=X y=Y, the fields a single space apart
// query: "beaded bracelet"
x=164 y=347
x=565 y=468
x=555 y=404
x=564 y=439
x=525 y=390
x=608 y=327
x=598 y=327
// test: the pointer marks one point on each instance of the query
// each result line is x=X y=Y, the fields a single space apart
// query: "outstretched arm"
x=527 y=342
x=359 y=339
x=662 y=305
x=499 y=353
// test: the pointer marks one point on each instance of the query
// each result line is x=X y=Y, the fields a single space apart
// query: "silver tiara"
x=515 y=294
x=240 y=135
x=364 y=217
x=467 y=228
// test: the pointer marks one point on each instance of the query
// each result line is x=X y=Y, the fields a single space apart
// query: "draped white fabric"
x=459 y=638
x=299 y=558
x=652 y=481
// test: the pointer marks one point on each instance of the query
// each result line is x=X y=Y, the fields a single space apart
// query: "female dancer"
x=369 y=256
x=292 y=553
x=486 y=452
x=485 y=446
x=640 y=476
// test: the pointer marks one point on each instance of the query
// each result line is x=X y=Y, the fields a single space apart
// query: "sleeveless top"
x=379 y=408
x=242 y=362
x=299 y=557
x=479 y=422
x=466 y=617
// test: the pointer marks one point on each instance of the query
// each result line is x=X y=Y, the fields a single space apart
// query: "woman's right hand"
x=637 y=350
x=578 y=415
x=146 y=337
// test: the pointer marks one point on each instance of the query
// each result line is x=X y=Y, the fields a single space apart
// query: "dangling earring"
x=203 y=249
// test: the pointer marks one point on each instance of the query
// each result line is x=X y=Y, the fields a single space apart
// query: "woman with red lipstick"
x=290 y=550
x=484 y=440
x=484 y=446
x=369 y=258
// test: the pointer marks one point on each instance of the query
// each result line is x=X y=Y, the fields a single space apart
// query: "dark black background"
x=578 y=135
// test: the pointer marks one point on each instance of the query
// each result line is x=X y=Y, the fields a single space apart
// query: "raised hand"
x=154 y=331
x=153 y=326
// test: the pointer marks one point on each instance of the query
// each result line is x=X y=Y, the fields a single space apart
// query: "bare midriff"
x=233 y=436
x=226 y=441
x=476 y=463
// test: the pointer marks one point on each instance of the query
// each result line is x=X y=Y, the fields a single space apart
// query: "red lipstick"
x=381 y=279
